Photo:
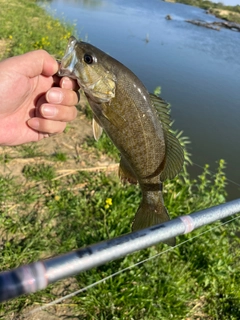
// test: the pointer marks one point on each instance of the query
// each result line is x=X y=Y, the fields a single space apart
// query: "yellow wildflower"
x=108 y=203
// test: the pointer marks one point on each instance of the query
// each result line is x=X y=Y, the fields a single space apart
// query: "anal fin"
x=125 y=172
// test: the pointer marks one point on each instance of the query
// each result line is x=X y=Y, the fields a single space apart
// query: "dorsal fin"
x=174 y=155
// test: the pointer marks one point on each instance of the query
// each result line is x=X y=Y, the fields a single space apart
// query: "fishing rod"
x=38 y=275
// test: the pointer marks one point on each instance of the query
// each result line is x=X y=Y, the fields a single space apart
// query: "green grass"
x=52 y=216
x=25 y=26
x=40 y=172
x=60 y=156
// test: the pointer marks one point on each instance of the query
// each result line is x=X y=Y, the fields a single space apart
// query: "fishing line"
x=124 y=270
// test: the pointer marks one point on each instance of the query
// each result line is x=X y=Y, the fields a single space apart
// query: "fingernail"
x=66 y=82
x=48 y=111
x=54 y=96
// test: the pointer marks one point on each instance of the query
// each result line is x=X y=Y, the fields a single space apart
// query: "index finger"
x=34 y=63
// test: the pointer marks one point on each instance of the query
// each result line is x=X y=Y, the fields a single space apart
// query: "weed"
x=59 y=156
x=28 y=150
x=39 y=172
x=5 y=158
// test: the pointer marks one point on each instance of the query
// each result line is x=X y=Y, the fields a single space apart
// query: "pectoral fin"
x=97 y=129
x=113 y=115
x=174 y=155
x=109 y=112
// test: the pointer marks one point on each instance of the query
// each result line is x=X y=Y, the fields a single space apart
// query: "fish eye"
x=88 y=58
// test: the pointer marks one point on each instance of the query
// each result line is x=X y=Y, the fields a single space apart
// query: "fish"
x=137 y=122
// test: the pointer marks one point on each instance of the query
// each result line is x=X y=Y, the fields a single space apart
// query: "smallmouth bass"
x=138 y=123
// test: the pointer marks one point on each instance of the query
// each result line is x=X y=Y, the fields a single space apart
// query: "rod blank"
x=38 y=275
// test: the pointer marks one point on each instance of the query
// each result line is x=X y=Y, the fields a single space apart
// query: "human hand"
x=34 y=102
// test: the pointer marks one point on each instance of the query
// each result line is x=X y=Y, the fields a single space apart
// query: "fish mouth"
x=67 y=66
x=65 y=72
x=68 y=63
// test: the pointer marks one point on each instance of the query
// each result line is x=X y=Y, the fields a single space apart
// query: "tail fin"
x=150 y=214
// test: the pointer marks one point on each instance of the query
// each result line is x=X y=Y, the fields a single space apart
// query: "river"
x=197 y=68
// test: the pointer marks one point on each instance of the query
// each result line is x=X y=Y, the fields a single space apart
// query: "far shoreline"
x=228 y=13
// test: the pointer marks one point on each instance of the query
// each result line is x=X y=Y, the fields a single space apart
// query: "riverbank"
x=25 y=26
x=226 y=15
x=229 y=13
